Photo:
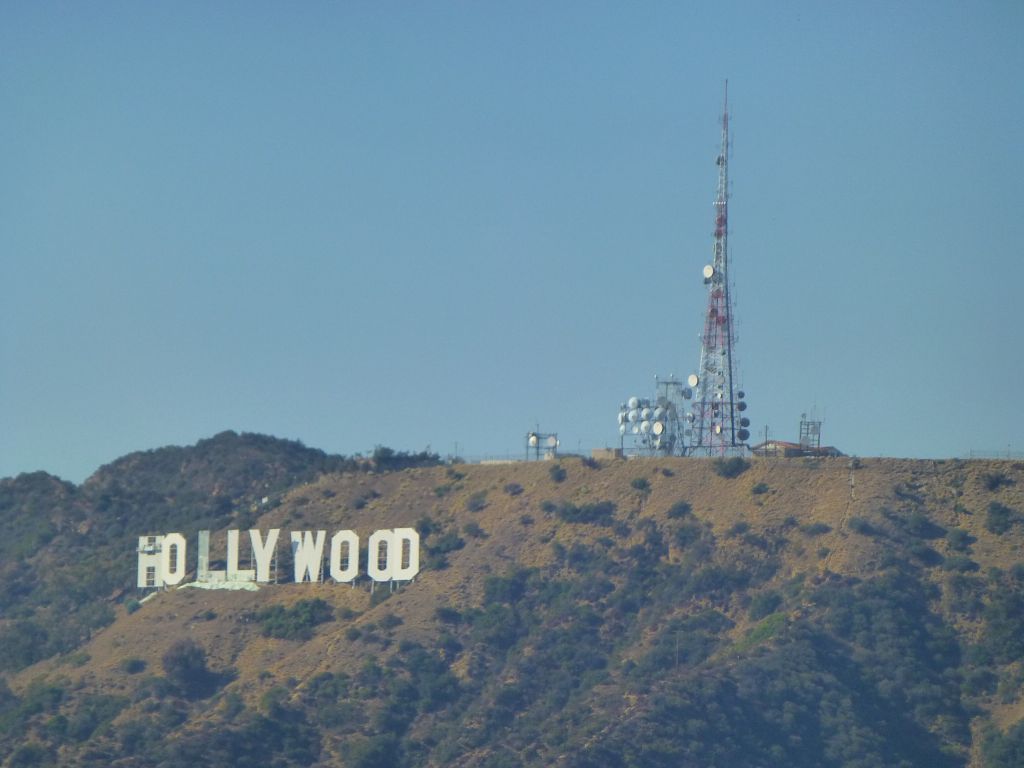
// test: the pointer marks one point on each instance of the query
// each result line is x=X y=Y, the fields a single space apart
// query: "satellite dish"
x=658 y=412
x=718 y=429
x=743 y=434
x=552 y=441
x=533 y=439
x=708 y=272
x=741 y=394
x=633 y=415
x=687 y=393
x=645 y=426
x=622 y=429
x=636 y=430
x=622 y=417
x=634 y=402
x=692 y=380
x=741 y=405
x=645 y=414
x=657 y=428
x=744 y=422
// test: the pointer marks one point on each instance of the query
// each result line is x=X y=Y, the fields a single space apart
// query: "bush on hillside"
x=732 y=467
x=295 y=623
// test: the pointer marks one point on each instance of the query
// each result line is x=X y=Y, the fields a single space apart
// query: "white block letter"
x=173 y=566
x=234 y=574
x=263 y=552
x=405 y=544
x=309 y=554
x=150 y=569
x=349 y=540
x=378 y=556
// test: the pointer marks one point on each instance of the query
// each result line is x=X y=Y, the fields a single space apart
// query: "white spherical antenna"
x=645 y=426
x=634 y=402
x=645 y=414
x=633 y=416
x=622 y=429
x=657 y=428
x=552 y=441
x=636 y=430
x=692 y=380
x=533 y=440
x=622 y=417
x=709 y=271
x=658 y=412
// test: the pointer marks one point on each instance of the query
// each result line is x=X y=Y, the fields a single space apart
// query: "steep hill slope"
x=640 y=613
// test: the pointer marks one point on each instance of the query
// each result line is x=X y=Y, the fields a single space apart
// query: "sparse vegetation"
x=741 y=650
x=557 y=473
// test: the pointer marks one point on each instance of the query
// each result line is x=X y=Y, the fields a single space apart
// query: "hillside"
x=644 y=613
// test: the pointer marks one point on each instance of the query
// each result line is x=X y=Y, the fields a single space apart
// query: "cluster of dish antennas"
x=640 y=416
x=718 y=406
x=536 y=440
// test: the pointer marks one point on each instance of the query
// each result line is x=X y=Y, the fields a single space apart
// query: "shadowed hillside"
x=643 y=613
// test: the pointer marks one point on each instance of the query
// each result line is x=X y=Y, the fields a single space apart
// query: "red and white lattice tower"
x=717 y=426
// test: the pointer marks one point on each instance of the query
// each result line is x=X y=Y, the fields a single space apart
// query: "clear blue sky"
x=417 y=224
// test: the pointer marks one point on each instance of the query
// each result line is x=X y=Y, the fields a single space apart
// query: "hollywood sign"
x=391 y=555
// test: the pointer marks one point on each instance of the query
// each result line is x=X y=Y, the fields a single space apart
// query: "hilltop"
x=652 y=612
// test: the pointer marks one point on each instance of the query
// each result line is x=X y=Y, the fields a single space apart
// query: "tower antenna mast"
x=717 y=424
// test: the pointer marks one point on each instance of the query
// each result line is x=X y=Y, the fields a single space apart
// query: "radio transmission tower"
x=717 y=425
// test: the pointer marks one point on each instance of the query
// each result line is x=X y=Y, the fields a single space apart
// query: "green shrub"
x=999 y=518
x=764 y=603
x=960 y=564
x=679 y=509
x=295 y=623
x=861 y=526
x=760 y=488
x=600 y=512
x=132 y=666
x=513 y=489
x=993 y=481
x=958 y=539
x=474 y=531
x=447 y=615
x=738 y=529
x=184 y=664
x=815 y=529
x=557 y=473
x=732 y=467
x=477 y=501
x=641 y=484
